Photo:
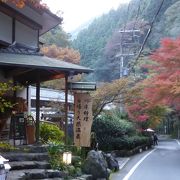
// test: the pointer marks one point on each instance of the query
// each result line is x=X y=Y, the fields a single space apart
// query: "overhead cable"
x=147 y=35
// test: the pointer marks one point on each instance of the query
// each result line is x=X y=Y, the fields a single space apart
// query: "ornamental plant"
x=111 y=129
x=50 y=132
x=6 y=102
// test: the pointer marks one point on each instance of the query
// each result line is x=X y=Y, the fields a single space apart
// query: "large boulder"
x=112 y=162
x=96 y=165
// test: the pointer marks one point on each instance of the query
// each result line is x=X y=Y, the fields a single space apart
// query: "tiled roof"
x=30 y=59
x=20 y=50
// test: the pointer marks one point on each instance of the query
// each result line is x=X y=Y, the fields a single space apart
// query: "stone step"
x=19 y=165
x=29 y=174
x=4 y=138
x=4 y=135
x=83 y=177
x=5 y=131
x=19 y=156
x=33 y=148
x=51 y=179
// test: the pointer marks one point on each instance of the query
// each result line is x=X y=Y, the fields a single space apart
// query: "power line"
x=147 y=35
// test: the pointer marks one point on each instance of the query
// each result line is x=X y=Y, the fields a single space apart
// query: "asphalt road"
x=160 y=163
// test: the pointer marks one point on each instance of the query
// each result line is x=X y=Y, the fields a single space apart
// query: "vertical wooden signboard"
x=82 y=119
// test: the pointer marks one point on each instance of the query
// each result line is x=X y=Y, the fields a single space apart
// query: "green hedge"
x=135 y=141
x=113 y=133
x=108 y=125
x=122 y=143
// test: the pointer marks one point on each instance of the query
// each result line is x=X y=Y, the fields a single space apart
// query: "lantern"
x=67 y=156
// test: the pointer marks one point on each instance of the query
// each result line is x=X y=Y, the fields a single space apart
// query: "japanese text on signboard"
x=83 y=119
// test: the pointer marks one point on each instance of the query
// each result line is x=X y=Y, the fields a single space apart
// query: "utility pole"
x=129 y=43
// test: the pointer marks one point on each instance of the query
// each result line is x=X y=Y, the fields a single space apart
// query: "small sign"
x=86 y=86
x=82 y=119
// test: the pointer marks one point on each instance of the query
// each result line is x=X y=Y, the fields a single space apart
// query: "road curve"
x=162 y=164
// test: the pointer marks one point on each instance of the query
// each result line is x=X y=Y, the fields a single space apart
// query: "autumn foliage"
x=22 y=3
x=141 y=110
x=114 y=92
x=65 y=54
x=62 y=54
x=151 y=97
x=164 y=86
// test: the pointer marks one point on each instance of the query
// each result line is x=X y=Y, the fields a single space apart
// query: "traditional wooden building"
x=20 y=59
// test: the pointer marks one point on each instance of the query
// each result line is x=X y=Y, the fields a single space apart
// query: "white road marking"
x=136 y=165
x=178 y=142
x=122 y=165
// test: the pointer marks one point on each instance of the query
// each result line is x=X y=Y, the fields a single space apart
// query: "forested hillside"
x=98 y=44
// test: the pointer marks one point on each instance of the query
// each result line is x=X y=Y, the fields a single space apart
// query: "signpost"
x=82 y=119
x=82 y=112
x=83 y=86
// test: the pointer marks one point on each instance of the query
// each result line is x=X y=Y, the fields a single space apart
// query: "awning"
x=26 y=66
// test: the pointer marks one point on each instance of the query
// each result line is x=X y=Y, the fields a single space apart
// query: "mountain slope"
x=92 y=42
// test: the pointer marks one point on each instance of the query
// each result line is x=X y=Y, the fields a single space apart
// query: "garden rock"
x=112 y=162
x=96 y=165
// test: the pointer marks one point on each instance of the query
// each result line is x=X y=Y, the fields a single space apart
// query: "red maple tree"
x=151 y=97
x=164 y=87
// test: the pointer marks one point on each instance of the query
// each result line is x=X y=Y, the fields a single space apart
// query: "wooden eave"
x=36 y=18
x=26 y=68
x=28 y=76
x=19 y=16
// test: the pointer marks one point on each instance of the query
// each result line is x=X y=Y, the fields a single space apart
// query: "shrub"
x=135 y=141
x=110 y=129
x=114 y=132
x=55 y=151
x=50 y=132
x=4 y=147
x=6 y=103
x=55 y=148
x=110 y=126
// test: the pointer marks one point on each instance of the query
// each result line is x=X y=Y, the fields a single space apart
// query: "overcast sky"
x=77 y=12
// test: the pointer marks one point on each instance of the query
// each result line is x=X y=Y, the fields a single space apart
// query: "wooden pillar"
x=66 y=109
x=15 y=92
x=27 y=98
x=14 y=123
x=37 y=109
